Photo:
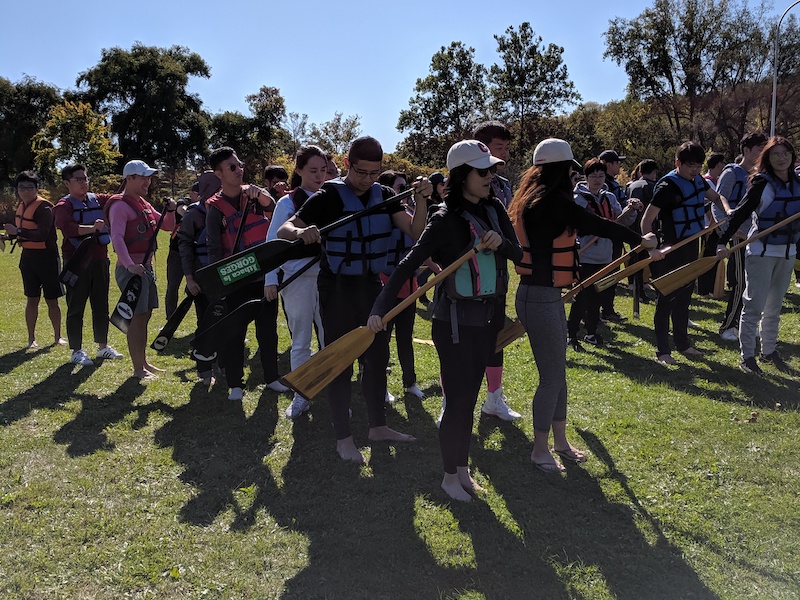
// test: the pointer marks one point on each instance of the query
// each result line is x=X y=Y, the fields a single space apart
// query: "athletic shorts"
x=40 y=269
x=148 y=297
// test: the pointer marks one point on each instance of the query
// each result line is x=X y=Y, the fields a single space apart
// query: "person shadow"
x=11 y=360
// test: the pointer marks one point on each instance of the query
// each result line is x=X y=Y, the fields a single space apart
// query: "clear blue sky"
x=355 y=57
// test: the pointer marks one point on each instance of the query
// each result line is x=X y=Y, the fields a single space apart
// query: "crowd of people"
x=564 y=223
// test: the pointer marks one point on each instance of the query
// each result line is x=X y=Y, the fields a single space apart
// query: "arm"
x=748 y=205
x=214 y=233
x=718 y=200
x=284 y=209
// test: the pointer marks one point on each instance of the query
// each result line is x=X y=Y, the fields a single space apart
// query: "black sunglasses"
x=485 y=172
x=234 y=166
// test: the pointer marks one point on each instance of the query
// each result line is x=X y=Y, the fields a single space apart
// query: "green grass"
x=110 y=489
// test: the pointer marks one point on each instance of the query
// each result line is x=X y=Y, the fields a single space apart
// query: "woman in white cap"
x=468 y=306
x=546 y=220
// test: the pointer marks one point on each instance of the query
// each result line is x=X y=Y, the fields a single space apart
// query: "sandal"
x=571 y=456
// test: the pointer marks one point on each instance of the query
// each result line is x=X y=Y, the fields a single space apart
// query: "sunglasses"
x=235 y=167
x=485 y=172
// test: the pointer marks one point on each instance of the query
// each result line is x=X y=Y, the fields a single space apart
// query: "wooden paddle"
x=674 y=280
x=614 y=278
x=313 y=376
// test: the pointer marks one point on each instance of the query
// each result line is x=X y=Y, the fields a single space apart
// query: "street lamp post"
x=775 y=70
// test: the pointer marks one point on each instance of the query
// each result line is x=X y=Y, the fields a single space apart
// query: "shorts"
x=40 y=269
x=148 y=297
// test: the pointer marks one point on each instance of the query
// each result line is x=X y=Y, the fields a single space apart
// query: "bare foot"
x=32 y=344
x=152 y=369
x=384 y=433
x=467 y=482
x=145 y=375
x=348 y=451
x=546 y=463
x=60 y=342
x=452 y=487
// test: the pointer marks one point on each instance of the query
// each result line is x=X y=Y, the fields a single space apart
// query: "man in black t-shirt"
x=354 y=256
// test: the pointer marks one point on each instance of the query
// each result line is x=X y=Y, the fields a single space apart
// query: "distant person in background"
x=276 y=180
x=715 y=164
x=613 y=163
x=174 y=269
x=641 y=189
x=332 y=171
x=39 y=263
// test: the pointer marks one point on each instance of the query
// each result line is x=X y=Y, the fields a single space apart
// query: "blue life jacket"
x=740 y=187
x=360 y=247
x=201 y=243
x=785 y=204
x=86 y=213
x=400 y=245
x=689 y=217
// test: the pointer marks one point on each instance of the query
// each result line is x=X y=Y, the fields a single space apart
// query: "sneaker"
x=749 y=365
x=390 y=398
x=109 y=353
x=613 y=317
x=692 y=324
x=797 y=283
x=594 y=340
x=575 y=344
x=236 y=394
x=666 y=359
x=298 y=406
x=277 y=386
x=730 y=335
x=79 y=357
x=441 y=413
x=775 y=359
x=415 y=391
x=496 y=406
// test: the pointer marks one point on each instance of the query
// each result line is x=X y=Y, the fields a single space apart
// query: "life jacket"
x=564 y=266
x=139 y=231
x=201 y=243
x=86 y=213
x=785 y=204
x=24 y=220
x=740 y=187
x=688 y=218
x=601 y=209
x=255 y=226
x=360 y=247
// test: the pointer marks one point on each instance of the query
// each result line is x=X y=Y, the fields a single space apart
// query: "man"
x=276 y=180
x=497 y=138
x=193 y=252
x=132 y=222
x=38 y=264
x=225 y=216
x=613 y=163
x=678 y=207
x=349 y=279
x=733 y=183
x=642 y=189
x=715 y=164
x=79 y=215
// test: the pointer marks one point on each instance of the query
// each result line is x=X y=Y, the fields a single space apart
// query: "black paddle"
x=79 y=261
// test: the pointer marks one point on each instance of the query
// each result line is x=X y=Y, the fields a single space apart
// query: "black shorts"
x=40 y=269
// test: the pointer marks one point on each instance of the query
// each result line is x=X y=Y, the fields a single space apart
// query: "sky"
x=355 y=57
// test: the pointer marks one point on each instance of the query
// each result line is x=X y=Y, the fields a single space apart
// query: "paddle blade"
x=316 y=373
x=675 y=280
x=124 y=309
x=508 y=334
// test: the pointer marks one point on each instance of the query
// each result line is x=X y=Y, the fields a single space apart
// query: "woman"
x=773 y=196
x=300 y=298
x=596 y=253
x=546 y=218
x=465 y=320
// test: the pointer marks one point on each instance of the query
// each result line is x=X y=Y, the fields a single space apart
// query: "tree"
x=337 y=134
x=447 y=103
x=269 y=109
x=24 y=108
x=532 y=80
x=144 y=91
x=74 y=133
x=296 y=124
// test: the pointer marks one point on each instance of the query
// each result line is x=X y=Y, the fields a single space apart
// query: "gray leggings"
x=541 y=311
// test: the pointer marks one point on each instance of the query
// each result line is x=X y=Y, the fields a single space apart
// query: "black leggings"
x=461 y=366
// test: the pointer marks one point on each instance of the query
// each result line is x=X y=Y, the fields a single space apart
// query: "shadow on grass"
x=11 y=360
x=51 y=392
x=86 y=433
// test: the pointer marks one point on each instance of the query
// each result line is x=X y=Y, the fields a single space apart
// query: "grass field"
x=112 y=489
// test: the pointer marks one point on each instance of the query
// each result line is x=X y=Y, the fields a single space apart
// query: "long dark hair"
x=539 y=182
x=454 y=190
x=764 y=166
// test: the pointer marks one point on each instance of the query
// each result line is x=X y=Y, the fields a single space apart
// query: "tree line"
x=697 y=69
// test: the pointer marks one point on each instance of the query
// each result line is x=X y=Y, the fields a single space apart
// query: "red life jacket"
x=139 y=231
x=24 y=220
x=255 y=226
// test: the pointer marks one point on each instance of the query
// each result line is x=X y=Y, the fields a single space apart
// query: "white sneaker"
x=730 y=335
x=298 y=406
x=692 y=324
x=415 y=391
x=496 y=406
x=236 y=394
x=79 y=357
x=277 y=386
x=441 y=413
x=108 y=352
x=390 y=398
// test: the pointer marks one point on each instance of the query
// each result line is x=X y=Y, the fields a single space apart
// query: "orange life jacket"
x=24 y=220
x=564 y=266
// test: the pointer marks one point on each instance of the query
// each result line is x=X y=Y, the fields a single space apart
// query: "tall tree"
x=448 y=102
x=297 y=125
x=337 y=134
x=268 y=109
x=144 y=89
x=531 y=81
x=24 y=108
x=74 y=133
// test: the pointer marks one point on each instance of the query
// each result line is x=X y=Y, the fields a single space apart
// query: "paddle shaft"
x=580 y=286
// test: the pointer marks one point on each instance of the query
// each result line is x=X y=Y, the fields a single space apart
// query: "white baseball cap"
x=137 y=167
x=472 y=153
x=553 y=150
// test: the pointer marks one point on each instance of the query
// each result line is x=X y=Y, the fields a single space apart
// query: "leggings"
x=542 y=313
x=462 y=366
